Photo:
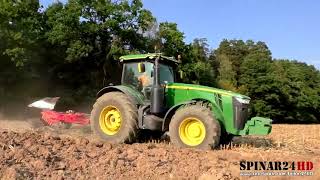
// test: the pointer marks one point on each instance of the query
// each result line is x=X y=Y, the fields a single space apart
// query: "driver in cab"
x=144 y=79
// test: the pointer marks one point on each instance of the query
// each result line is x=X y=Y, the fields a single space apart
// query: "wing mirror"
x=141 y=68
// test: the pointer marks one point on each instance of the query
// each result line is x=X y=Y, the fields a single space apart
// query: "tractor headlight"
x=243 y=101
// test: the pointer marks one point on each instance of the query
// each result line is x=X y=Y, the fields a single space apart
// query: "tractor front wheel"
x=194 y=126
x=114 y=118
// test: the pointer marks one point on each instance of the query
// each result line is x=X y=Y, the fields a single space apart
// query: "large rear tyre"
x=194 y=126
x=114 y=118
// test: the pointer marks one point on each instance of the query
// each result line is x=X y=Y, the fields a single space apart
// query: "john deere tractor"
x=149 y=98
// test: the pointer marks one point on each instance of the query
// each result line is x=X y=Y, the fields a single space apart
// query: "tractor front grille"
x=240 y=114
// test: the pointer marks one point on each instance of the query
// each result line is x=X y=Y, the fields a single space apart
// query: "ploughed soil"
x=30 y=151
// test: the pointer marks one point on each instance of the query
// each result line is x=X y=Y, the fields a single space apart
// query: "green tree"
x=229 y=57
x=70 y=50
x=227 y=76
x=91 y=35
x=256 y=75
x=171 y=39
x=197 y=65
x=200 y=49
x=235 y=51
x=20 y=30
x=299 y=86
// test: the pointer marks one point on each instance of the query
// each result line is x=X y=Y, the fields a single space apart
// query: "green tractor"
x=150 y=99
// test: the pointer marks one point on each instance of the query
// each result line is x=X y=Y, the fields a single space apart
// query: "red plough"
x=50 y=117
x=53 y=117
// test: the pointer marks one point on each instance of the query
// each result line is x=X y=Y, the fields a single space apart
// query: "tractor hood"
x=204 y=88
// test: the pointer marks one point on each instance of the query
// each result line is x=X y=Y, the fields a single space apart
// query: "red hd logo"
x=305 y=165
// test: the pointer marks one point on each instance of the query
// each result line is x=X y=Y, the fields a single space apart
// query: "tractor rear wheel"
x=194 y=126
x=114 y=118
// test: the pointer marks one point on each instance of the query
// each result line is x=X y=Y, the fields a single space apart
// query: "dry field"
x=29 y=151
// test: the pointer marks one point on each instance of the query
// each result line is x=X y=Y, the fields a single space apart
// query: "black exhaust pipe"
x=157 y=93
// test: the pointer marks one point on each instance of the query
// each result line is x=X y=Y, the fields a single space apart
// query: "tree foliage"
x=71 y=50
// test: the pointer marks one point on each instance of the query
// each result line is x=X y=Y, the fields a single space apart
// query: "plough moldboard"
x=50 y=117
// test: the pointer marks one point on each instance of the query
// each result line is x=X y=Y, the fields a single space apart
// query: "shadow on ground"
x=253 y=141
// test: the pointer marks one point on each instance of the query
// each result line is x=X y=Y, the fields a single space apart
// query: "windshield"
x=139 y=81
x=143 y=81
x=131 y=75
x=166 y=74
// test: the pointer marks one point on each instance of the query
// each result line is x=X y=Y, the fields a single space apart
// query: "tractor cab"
x=139 y=72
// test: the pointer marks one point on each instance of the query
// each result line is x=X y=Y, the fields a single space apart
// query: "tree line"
x=71 y=50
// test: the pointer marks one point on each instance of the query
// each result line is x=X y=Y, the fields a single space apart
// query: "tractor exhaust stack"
x=157 y=92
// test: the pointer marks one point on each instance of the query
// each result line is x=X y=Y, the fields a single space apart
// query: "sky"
x=290 y=28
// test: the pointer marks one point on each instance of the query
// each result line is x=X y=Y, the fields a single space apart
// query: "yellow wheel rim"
x=110 y=120
x=192 y=131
